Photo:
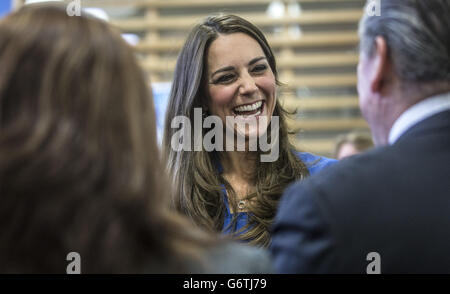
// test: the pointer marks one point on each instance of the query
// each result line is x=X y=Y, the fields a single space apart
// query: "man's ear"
x=381 y=65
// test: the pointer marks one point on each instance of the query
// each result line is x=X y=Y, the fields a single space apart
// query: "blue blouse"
x=314 y=164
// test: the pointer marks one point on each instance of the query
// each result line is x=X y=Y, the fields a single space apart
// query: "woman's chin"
x=251 y=134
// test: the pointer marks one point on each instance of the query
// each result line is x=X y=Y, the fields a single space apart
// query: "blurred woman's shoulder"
x=235 y=258
x=314 y=163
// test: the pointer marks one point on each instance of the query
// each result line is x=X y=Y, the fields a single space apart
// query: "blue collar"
x=218 y=164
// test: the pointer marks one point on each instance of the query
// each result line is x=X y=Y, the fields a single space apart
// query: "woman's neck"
x=239 y=164
x=238 y=170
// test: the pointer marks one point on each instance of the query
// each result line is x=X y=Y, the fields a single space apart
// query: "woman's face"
x=241 y=83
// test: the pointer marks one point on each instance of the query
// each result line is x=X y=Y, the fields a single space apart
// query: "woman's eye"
x=225 y=78
x=260 y=68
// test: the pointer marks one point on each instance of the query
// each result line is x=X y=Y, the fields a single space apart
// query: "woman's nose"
x=248 y=85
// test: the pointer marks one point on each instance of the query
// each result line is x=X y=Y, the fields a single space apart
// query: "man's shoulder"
x=350 y=180
x=367 y=181
x=354 y=167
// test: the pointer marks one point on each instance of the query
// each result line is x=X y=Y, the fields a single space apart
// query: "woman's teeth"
x=254 y=108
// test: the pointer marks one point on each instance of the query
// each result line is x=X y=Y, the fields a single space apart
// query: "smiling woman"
x=227 y=69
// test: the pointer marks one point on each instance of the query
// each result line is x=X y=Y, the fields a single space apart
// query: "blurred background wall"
x=315 y=42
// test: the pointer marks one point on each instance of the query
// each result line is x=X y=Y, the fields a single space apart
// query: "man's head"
x=404 y=58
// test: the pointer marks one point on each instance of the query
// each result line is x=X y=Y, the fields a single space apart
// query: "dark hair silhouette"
x=79 y=163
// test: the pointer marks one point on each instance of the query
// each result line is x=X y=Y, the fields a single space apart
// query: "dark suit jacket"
x=393 y=200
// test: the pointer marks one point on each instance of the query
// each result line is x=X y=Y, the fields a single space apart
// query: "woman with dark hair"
x=227 y=70
x=80 y=169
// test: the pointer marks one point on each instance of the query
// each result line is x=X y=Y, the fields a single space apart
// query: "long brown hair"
x=197 y=182
x=79 y=163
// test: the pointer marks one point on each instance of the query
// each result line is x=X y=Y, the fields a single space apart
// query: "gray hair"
x=417 y=34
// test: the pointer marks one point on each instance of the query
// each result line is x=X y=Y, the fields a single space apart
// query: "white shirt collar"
x=417 y=113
